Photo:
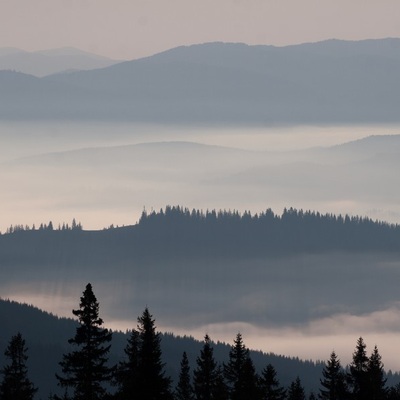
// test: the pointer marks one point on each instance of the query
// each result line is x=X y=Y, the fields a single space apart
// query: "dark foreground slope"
x=46 y=337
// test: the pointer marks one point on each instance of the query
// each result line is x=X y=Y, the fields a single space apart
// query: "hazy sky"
x=128 y=29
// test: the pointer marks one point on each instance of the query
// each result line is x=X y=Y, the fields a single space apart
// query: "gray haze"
x=104 y=174
x=296 y=305
x=332 y=82
x=132 y=29
x=47 y=62
x=111 y=172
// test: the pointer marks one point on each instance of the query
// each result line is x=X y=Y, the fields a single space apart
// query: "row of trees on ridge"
x=86 y=374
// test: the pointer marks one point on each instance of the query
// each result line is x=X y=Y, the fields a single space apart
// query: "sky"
x=129 y=29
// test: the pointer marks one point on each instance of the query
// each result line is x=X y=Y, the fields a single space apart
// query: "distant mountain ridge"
x=52 y=61
x=325 y=82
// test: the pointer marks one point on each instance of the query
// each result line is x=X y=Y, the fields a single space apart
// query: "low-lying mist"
x=305 y=305
x=300 y=305
x=106 y=174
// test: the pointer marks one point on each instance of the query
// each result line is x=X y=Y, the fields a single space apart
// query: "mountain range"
x=354 y=177
x=326 y=82
x=53 y=61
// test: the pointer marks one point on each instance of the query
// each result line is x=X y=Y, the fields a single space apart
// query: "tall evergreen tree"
x=250 y=381
x=153 y=384
x=394 y=392
x=221 y=390
x=333 y=384
x=206 y=374
x=142 y=374
x=85 y=369
x=296 y=391
x=127 y=371
x=16 y=384
x=359 y=372
x=184 y=389
x=269 y=385
x=376 y=376
x=240 y=372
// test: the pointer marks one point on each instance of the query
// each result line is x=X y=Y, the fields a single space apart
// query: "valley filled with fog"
x=222 y=169
x=118 y=169
x=302 y=305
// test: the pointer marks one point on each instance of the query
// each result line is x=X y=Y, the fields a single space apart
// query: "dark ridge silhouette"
x=259 y=234
x=47 y=334
x=179 y=232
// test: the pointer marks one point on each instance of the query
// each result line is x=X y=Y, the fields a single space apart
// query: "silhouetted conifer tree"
x=296 y=391
x=127 y=372
x=394 y=393
x=333 y=384
x=154 y=385
x=85 y=369
x=269 y=385
x=207 y=374
x=221 y=390
x=16 y=384
x=240 y=372
x=65 y=396
x=376 y=376
x=359 y=372
x=184 y=389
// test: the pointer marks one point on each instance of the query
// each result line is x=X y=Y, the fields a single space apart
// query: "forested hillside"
x=181 y=260
x=178 y=231
x=279 y=271
x=47 y=338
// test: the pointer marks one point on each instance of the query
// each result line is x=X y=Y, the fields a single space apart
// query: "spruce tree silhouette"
x=240 y=373
x=334 y=386
x=359 y=372
x=376 y=376
x=127 y=372
x=269 y=385
x=184 y=388
x=393 y=393
x=16 y=384
x=296 y=390
x=208 y=378
x=153 y=384
x=85 y=369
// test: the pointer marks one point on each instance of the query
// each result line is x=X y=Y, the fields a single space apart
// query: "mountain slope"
x=47 y=334
x=48 y=62
x=328 y=82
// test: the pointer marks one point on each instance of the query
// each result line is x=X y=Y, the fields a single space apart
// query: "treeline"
x=266 y=232
x=48 y=334
x=45 y=227
x=87 y=374
x=179 y=232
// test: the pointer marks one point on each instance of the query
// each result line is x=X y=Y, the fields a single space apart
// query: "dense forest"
x=180 y=232
x=86 y=369
x=48 y=334
x=178 y=261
